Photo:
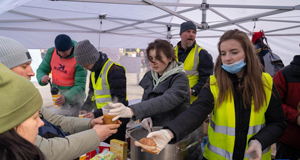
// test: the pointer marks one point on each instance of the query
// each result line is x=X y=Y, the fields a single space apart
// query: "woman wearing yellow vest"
x=247 y=113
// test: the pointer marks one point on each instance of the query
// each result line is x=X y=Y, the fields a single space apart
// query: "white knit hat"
x=13 y=53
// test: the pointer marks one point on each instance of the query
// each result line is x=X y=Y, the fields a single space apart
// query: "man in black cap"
x=197 y=61
x=67 y=76
x=198 y=65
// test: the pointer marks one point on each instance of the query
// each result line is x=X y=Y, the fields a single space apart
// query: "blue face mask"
x=234 y=67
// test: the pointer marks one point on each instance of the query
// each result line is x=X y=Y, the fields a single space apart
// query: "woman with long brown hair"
x=247 y=113
x=166 y=92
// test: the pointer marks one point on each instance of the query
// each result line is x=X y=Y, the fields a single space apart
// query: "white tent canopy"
x=135 y=23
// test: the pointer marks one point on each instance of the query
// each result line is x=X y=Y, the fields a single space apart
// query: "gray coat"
x=166 y=101
x=83 y=139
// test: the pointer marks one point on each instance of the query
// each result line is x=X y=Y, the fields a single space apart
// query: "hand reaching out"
x=96 y=121
x=147 y=124
x=161 y=138
x=45 y=79
x=100 y=121
x=255 y=150
x=60 y=100
x=120 y=111
x=89 y=115
x=104 y=131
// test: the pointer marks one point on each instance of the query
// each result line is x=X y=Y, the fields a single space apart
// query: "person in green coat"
x=67 y=76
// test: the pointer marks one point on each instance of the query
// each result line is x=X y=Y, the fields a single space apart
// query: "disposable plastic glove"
x=147 y=123
x=161 y=138
x=120 y=111
x=255 y=150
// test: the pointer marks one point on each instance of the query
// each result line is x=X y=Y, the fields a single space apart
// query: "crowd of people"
x=249 y=109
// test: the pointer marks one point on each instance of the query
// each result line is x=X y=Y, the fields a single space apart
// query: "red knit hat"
x=257 y=35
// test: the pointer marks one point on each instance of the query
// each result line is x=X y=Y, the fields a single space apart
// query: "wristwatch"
x=194 y=93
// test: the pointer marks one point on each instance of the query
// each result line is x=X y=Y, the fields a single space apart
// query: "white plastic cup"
x=108 y=118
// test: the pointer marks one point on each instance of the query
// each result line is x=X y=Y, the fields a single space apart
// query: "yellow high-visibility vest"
x=190 y=65
x=102 y=93
x=221 y=131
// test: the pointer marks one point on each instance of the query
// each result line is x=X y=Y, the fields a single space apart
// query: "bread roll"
x=148 y=144
x=147 y=141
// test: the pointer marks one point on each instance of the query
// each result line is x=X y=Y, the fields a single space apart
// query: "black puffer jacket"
x=117 y=82
x=116 y=79
x=194 y=116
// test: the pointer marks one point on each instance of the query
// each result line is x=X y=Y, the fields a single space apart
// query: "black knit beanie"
x=187 y=25
x=63 y=42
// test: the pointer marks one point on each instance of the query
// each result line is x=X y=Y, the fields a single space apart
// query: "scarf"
x=173 y=68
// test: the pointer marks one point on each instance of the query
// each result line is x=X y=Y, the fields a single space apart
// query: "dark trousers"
x=286 y=152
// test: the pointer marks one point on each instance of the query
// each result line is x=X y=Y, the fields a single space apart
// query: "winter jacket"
x=287 y=81
x=191 y=119
x=268 y=59
x=272 y=63
x=71 y=146
x=166 y=101
x=205 y=65
x=117 y=82
x=73 y=94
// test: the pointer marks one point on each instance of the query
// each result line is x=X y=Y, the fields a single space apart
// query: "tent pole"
x=169 y=35
x=273 y=20
x=101 y=16
x=204 y=7
x=228 y=19
x=275 y=30
x=245 y=19
x=150 y=2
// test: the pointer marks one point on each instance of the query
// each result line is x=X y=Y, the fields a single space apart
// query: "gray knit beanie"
x=85 y=53
x=13 y=53
x=187 y=25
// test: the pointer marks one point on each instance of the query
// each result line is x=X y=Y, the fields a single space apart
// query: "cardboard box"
x=120 y=148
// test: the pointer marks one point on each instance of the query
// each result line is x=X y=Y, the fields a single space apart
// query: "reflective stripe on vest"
x=101 y=88
x=63 y=70
x=228 y=155
x=190 y=65
x=221 y=129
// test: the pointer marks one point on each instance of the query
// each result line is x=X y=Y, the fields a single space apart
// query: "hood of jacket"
x=296 y=65
x=173 y=68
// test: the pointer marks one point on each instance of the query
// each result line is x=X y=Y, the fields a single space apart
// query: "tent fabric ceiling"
x=135 y=23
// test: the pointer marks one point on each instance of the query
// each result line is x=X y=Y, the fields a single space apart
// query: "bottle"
x=205 y=138
x=55 y=94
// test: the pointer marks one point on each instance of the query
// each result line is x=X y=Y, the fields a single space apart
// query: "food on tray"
x=148 y=144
